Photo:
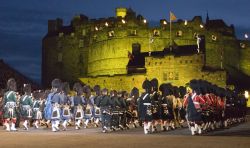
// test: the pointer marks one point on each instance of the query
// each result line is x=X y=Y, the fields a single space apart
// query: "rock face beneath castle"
x=120 y=52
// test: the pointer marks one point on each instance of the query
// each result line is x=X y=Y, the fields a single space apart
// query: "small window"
x=60 y=56
x=133 y=32
x=179 y=33
x=191 y=61
x=181 y=61
x=242 y=45
x=214 y=38
x=186 y=61
x=176 y=76
x=148 y=63
x=156 y=32
x=155 y=63
x=80 y=43
x=111 y=33
x=165 y=76
x=94 y=38
x=60 y=34
x=83 y=32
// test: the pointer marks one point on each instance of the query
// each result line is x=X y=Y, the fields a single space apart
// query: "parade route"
x=238 y=136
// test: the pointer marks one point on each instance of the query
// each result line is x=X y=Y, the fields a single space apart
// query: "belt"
x=147 y=104
x=10 y=104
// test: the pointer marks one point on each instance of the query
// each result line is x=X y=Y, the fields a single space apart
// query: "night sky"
x=23 y=23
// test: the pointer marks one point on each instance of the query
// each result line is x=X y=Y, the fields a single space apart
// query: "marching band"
x=199 y=105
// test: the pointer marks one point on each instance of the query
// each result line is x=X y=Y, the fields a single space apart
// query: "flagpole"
x=170 y=28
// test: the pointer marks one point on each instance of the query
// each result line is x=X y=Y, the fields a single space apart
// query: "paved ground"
x=238 y=136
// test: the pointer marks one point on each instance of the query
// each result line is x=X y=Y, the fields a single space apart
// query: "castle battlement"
x=104 y=46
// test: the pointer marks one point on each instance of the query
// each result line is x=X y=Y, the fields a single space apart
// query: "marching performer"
x=89 y=106
x=78 y=105
x=105 y=104
x=115 y=110
x=37 y=111
x=156 y=105
x=66 y=103
x=52 y=105
x=132 y=105
x=167 y=112
x=26 y=105
x=145 y=107
x=10 y=100
x=96 y=95
x=193 y=106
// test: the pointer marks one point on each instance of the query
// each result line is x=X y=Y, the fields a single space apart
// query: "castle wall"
x=63 y=58
x=170 y=69
x=180 y=70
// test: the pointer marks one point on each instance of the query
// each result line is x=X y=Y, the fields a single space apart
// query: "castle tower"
x=121 y=12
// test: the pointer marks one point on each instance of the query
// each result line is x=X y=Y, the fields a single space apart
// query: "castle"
x=121 y=52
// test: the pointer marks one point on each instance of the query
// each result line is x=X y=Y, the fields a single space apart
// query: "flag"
x=172 y=17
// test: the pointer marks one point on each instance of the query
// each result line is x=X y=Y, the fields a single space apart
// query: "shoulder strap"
x=145 y=96
x=9 y=93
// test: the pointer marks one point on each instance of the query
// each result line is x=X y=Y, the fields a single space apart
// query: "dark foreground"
x=235 y=137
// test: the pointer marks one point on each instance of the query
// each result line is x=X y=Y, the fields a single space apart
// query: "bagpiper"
x=10 y=101
x=52 y=106
x=37 y=108
x=96 y=95
x=78 y=105
x=26 y=105
x=89 y=106
x=66 y=104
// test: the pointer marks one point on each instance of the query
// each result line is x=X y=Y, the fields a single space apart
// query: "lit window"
x=186 y=22
x=123 y=21
x=165 y=22
x=144 y=21
x=214 y=38
x=106 y=24
x=83 y=32
x=201 y=26
x=111 y=33
x=179 y=33
x=242 y=45
x=156 y=32
x=96 y=28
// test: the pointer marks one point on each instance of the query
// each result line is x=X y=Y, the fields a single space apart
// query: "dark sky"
x=23 y=23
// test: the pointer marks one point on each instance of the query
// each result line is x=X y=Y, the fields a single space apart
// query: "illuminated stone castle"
x=121 y=52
